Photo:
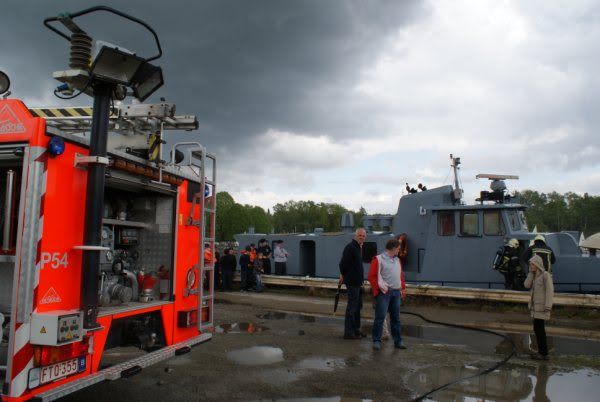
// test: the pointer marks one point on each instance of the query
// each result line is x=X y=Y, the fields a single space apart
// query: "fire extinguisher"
x=146 y=283
x=163 y=285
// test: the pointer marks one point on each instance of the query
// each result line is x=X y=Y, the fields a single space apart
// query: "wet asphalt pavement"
x=263 y=353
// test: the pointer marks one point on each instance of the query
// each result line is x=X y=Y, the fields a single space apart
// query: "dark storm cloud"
x=241 y=66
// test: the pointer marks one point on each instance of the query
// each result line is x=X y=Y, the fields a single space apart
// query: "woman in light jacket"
x=540 y=303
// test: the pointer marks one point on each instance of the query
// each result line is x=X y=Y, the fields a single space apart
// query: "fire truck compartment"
x=138 y=235
x=11 y=168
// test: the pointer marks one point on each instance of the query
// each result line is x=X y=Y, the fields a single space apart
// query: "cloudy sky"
x=345 y=101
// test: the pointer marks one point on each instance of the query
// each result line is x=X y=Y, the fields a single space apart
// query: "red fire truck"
x=156 y=217
x=101 y=235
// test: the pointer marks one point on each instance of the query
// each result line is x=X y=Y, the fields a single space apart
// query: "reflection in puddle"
x=256 y=355
x=485 y=343
x=277 y=315
x=285 y=375
x=321 y=363
x=239 y=327
x=511 y=382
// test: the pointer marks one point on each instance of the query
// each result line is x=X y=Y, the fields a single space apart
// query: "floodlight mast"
x=102 y=87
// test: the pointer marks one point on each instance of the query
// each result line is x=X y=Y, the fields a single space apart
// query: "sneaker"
x=399 y=345
x=353 y=336
x=376 y=345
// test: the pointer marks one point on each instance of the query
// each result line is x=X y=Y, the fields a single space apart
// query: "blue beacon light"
x=56 y=146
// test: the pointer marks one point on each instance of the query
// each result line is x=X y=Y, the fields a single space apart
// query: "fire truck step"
x=183 y=351
x=131 y=371
x=120 y=370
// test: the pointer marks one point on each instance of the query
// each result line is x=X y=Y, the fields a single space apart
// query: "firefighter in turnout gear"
x=508 y=263
x=540 y=248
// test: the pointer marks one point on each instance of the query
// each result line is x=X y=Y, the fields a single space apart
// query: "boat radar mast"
x=458 y=192
x=497 y=186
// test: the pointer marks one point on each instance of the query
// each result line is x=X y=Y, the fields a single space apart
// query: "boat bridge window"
x=513 y=220
x=369 y=250
x=446 y=223
x=522 y=219
x=469 y=223
x=492 y=223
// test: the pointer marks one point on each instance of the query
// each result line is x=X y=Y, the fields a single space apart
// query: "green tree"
x=233 y=218
x=555 y=212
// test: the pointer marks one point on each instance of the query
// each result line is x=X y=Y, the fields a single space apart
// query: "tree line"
x=549 y=212
x=553 y=212
x=289 y=217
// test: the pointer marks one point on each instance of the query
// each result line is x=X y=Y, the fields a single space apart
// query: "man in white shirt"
x=280 y=256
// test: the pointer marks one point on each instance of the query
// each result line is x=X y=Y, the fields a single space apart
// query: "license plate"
x=62 y=369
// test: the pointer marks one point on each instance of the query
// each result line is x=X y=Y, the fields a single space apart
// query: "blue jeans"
x=258 y=282
x=352 y=321
x=384 y=303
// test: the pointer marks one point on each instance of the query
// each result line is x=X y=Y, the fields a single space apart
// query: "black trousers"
x=226 y=279
x=280 y=268
x=266 y=263
x=352 y=319
x=539 y=328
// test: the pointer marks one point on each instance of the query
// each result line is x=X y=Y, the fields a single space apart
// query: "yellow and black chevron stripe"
x=155 y=143
x=61 y=113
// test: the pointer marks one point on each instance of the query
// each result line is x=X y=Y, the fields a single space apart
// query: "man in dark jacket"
x=246 y=270
x=352 y=274
x=228 y=263
x=540 y=248
x=265 y=250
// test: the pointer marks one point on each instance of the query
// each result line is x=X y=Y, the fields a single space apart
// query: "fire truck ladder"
x=205 y=166
x=208 y=211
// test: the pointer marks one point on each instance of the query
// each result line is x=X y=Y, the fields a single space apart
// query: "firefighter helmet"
x=514 y=243
x=540 y=237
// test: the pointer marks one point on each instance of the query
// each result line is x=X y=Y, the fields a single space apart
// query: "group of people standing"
x=386 y=277
x=254 y=262
x=510 y=261
x=387 y=283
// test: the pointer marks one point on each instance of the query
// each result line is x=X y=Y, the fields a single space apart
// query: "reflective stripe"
x=19 y=383
x=21 y=337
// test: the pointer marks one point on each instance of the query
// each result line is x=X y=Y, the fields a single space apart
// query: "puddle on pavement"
x=256 y=355
x=509 y=383
x=489 y=344
x=285 y=375
x=480 y=342
x=278 y=315
x=321 y=363
x=240 y=328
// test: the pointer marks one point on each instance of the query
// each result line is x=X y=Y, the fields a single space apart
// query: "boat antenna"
x=458 y=192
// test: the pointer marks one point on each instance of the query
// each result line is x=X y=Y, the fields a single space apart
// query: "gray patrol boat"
x=450 y=243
